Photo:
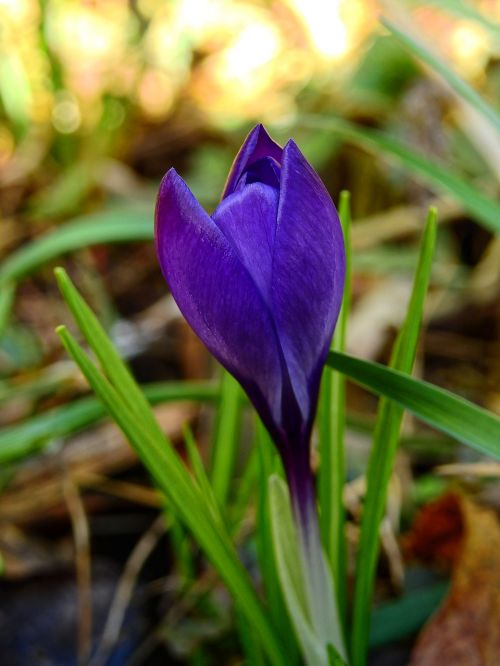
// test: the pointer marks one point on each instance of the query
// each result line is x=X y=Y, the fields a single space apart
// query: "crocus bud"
x=260 y=281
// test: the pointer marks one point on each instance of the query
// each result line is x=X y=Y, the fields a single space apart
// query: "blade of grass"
x=201 y=475
x=171 y=476
x=435 y=62
x=270 y=465
x=480 y=206
x=441 y=409
x=119 y=225
x=399 y=619
x=226 y=437
x=7 y=292
x=331 y=442
x=22 y=439
x=383 y=452
x=109 y=359
x=244 y=490
x=148 y=438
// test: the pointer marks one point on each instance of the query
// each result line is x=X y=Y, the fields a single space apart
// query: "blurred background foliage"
x=97 y=100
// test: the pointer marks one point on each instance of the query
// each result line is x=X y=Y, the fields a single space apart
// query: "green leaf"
x=445 y=411
x=23 y=438
x=201 y=475
x=402 y=618
x=383 y=451
x=332 y=419
x=270 y=464
x=460 y=86
x=226 y=436
x=131 y=411
x=118 y=225
x=7 y=292
x=480 y=206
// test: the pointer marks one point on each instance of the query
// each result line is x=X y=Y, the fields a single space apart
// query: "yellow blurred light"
x=84 y=33
x=327 y=31
x=18 y=11
x=200 y=16
x=155 y=93
x=256 y=45
x=66 y=116
x=470 y=46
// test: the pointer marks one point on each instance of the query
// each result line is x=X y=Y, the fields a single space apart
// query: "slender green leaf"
x=445 y=411
x=331 y=442
x=171 y=476
x=108 y=357
x=383 y=451
x=201 y=475
x=484 y=209
x=7 y=292
x=244 y=489
x=226 y=436
x=434 y=61
x=270 y=464
x=131 y=411
x=119 y=225
x=399 y=619
x=21 y=439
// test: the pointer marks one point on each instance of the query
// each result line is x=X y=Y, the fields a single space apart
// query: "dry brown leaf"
x=437 y=532
x=465 y=630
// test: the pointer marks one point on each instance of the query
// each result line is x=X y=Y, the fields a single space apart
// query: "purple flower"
x=260 y=281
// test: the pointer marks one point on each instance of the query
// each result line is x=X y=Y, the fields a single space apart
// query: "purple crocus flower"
x=261 y=281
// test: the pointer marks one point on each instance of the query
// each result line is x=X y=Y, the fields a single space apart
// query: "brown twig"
x=80 y=528
x=125 y=588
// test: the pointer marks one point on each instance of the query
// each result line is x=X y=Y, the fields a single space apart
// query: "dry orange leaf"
x=465 y=631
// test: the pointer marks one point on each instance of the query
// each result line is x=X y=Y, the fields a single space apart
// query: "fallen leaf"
x=437 y=532
x=464 y=631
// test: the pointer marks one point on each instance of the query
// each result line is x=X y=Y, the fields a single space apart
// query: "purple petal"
x=308 y=274
x=266 y=170
x=258 y=144
x=248 y=220
x=217 y=296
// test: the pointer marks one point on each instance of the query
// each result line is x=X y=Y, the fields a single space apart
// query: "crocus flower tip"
x=260 y=280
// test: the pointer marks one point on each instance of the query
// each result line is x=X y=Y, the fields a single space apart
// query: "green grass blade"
x=201 y=475
x=402 y=618
x=269 y=465
x=173 y=479
x=436 y=63
x=480 y=206
x=331 y=442
x=19 y=440
x=226 y=437
x=109 y=359
x=244 y=490
x=133 y=414
x=441 y=409
x=383 y=452
x=119 y=225
x=7 y=292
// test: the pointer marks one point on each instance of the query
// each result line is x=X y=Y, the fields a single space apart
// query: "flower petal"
x=248 y=220
x=258 y=144
x=217 y=296
x=308 y=274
